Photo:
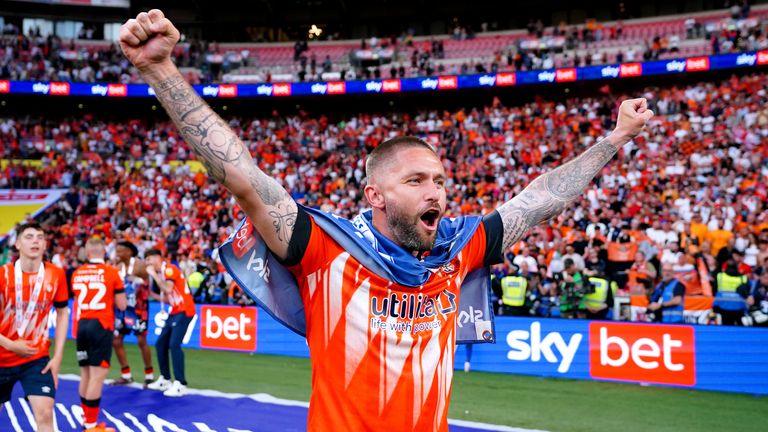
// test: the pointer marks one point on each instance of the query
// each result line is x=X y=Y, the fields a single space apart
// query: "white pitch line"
x=135 y=422
x=489 y=427
x=12 y=416
x=28 y=412
x=63 y=410
x=119 y=424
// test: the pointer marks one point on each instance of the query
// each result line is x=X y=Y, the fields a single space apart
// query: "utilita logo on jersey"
x=662 y=354
x=244 y=239
x=529 y=345
x=413 y=306
x=227 y=327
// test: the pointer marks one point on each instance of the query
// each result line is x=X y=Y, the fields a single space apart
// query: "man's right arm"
x=147 y=41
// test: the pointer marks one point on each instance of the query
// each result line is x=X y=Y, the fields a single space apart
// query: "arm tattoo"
x=226 y=158
x=283 y=220
x=551 y=193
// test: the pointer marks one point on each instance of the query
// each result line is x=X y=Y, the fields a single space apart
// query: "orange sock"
x=90 y=412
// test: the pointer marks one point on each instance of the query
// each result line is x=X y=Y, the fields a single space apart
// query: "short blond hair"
x=385 y=150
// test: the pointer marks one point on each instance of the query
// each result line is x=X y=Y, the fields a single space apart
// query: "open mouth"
x=429 y=218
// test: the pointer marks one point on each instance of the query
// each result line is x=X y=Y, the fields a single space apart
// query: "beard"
x=406 y=231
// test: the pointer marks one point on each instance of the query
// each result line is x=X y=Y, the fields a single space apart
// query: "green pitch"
x=513 y=400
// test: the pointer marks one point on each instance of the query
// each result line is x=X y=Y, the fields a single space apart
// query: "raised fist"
x=633 y=114
x=148 y=39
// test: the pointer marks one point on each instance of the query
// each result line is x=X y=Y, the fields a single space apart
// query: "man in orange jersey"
x=98 y=291
x=379 y=296
x=170 y=282
x=28 y=289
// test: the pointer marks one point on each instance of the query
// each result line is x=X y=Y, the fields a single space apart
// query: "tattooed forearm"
x=204 y=131
x=549 y=194
x=228 y=161
x=569 y=181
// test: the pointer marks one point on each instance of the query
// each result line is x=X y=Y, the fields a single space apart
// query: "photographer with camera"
x=667 y=299
x=573 y=288
x=757 y=300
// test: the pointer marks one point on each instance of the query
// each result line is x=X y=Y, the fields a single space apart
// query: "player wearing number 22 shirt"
x=99 y=289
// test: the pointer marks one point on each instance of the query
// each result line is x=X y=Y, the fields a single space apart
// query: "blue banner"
x=421 y=84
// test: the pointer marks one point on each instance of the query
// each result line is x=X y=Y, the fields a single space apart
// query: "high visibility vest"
x=600 y=295
x=670 y=314
x=513 y=290
x=727 y=298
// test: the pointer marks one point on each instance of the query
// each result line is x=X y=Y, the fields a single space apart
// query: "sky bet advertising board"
x=699 y=357
x=443 y=83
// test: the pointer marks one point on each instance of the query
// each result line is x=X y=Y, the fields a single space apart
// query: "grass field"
x=513 y=400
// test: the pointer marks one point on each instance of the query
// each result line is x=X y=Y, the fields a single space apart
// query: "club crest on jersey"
x=448 y=268
x=48 y=287
x=168 y=272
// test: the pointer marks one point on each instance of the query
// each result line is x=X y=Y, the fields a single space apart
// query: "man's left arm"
x=60 y=302
x=549 y=194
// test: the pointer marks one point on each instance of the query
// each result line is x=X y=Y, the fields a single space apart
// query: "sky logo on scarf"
x=410 y=306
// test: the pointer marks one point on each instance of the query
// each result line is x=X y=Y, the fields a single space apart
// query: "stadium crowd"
x=48 y=57
x=686 y=197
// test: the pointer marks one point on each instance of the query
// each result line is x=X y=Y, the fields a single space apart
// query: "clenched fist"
x=148 y=39
x=633 y=114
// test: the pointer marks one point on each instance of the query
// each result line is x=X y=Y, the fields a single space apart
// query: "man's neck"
x=30 y=265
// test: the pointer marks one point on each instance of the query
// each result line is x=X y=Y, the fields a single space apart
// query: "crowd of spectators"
x=36 y=57
x=690 y=190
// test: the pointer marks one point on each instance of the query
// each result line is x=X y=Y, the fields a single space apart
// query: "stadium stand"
x=690 y=190
x=34 y=57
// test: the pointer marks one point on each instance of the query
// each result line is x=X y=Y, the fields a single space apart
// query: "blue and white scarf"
x=259 y=273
